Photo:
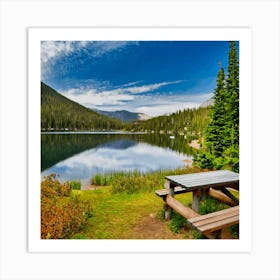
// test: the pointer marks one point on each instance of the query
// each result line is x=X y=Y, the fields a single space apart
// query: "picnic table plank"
x=219 y=224
x=204 y=179
x=213 y=214
x=216 y=221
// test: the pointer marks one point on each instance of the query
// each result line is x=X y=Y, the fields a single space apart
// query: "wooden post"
x=168 y=209
x=196 y=200
x=198 y=195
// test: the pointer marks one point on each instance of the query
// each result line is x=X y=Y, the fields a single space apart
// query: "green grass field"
x=117 y=216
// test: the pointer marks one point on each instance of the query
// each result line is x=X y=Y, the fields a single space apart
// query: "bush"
x=228 y=160
x=75 y=185
x=204 y=160
x=234 y=230
x=177 y=222
x=62 y=213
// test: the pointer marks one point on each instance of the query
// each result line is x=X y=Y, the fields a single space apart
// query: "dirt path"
x=153 y=228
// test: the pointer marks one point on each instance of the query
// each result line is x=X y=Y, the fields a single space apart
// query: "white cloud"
x=156 y=105
x=131 y=84
x=102 y=47
x=91 y=98
x=51 y=51
x=119 y=96
x=147 y=88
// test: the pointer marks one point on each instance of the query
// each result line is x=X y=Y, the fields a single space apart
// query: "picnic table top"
x=194 y=181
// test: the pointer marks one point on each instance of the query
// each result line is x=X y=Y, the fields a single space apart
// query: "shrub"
x=51 y=187
x=234 y=230
x=204 y=160
x=177 y=222
x=197 y=235
x=75 y=185
x=228 y=160
x=62 y=213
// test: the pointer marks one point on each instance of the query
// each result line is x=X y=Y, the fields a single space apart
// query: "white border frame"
x=243 y=35
x=262 y=16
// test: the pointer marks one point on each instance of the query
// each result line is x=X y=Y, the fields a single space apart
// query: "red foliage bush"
x=62 y=214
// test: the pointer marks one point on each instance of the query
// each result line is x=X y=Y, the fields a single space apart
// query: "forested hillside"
x=60 y=113
x=188 y=122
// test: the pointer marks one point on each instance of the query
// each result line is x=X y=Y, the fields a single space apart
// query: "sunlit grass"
x=115 y=216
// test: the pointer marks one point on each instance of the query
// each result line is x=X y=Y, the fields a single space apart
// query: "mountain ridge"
x=124 y=115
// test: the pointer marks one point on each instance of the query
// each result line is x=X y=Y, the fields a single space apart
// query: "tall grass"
x=135 y=181
x=209 y=205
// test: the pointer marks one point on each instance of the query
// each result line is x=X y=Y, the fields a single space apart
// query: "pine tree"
x=221 y=146
x=232 y=98
x=214 y=135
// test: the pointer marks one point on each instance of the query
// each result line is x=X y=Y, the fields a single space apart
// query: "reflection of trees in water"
x=178 y=144
x=58 y=147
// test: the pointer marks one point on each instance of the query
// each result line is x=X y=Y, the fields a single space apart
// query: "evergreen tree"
x=221 y=145
x=214 y=135
x=232 y=89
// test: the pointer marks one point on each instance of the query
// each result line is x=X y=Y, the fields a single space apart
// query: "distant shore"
x=91 y=132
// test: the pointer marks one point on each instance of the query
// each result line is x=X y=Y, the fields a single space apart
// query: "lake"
x=79 y=156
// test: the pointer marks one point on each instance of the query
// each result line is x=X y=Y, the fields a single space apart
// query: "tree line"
x=186 y=122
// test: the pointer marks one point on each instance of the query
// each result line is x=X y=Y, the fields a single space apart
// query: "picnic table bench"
x=203 y=184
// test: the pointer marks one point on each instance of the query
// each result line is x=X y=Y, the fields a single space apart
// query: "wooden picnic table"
x=213 y=183
x=200 y=183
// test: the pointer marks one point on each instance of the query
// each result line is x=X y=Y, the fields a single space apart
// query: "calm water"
x=80 y=156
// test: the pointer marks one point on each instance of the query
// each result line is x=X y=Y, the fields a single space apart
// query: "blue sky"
x=151 y=77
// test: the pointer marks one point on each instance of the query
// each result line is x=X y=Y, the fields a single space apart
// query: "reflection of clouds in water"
x=142 y=157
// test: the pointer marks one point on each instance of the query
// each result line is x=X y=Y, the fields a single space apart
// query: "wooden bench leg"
x=198 y=195
x=168 y=209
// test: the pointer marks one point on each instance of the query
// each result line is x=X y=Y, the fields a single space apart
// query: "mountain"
x=124 y=115
x=207 y=103
x=61 y=113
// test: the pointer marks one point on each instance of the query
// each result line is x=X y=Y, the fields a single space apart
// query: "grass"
x=115 y=216
x=135 y=181
x=128 y=198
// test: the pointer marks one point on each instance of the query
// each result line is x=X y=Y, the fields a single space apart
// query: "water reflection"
x=80 y=157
